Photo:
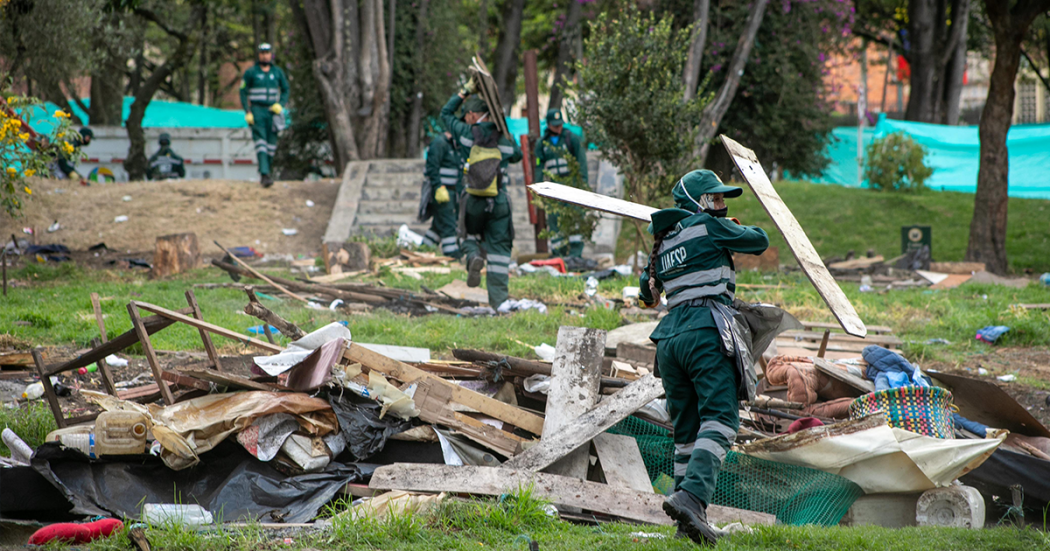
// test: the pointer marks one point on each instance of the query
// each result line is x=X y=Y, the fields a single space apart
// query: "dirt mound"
x=234 y=212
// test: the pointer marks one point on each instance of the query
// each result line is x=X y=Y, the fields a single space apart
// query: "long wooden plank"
x=221 y=331
x=209 y=346
x=622 y=462
x=805 y=254
x=16 y=358
x=407 y=373
x=49 y=390
x=595 y=201
x=610 y=411
x=103 y=367
x=892 y=340
x=490 y=93
x=862 y=386
x=834 y=326
x=562 y=490
x=124 y=340
x=151 y=355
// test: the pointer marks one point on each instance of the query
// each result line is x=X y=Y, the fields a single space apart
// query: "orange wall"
x=843 y=80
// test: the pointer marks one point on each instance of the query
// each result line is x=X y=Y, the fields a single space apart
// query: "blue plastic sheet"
x=954 y=154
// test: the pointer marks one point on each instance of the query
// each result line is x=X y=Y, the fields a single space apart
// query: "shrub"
x=897 y=163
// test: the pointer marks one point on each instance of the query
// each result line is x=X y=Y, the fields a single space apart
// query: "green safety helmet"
x=689 y=188
x=554 y=117
x=165 y=139
x=475 y=105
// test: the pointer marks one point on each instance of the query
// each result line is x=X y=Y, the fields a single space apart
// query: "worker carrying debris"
x=165 y=163
x=552 y=154
x=691 y=262
x=66 y=166
x=485 y=224
x=442 y=187
x=264 y=92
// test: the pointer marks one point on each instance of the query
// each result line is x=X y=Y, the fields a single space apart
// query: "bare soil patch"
x=236 y=213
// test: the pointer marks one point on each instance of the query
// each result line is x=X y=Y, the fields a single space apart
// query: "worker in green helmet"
x=552 y=151
x=442 y=188
x=264 y=93
x=485 y=224
x=165 y=163
x=691 y=262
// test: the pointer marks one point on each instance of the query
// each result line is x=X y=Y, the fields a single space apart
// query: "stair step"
x=406 y=179
x=405 y=207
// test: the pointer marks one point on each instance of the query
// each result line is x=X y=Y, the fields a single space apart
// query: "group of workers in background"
x=465 y=188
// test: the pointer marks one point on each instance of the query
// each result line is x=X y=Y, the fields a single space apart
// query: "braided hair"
x=658 y=239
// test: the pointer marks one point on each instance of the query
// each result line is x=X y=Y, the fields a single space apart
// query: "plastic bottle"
x=158 y=514
x=88 y=369
x=33 y=391
x=20 y=451
x=1045 y=279
x=85 y=442
x=120 y=433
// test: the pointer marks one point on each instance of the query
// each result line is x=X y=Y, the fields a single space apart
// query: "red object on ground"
x=558 y=264
x=803 y=424
x=76 y=533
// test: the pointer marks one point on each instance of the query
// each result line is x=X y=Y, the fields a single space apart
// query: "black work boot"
x=266 y=181
x=691 y=516
x=474 y=266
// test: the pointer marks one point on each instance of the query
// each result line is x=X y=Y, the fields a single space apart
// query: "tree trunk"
x=135 y=163
x=507 y=52
x=988 y=228
x=416 y=116
x=202 y=62
x=107 y=91
x=691 y=75
x=713 y=113
x=954 y=80
x=374 y=140
x=566 y=47
x=921 y=17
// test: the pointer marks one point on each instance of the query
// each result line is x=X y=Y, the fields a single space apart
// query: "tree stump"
x=175 y=254
x=346 y=257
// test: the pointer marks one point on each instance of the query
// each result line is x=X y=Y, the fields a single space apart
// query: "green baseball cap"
x=688 y=190
x=165 y=139
x=475 y=105
x=554 y=117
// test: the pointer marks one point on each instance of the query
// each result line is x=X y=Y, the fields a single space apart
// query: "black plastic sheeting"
x=359 y=424
x=228 y=482
x=1005 y=468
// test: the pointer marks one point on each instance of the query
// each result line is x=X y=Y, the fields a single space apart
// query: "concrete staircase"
x=377 y=197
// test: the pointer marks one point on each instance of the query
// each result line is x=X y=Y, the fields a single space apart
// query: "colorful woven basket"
x=923 y=410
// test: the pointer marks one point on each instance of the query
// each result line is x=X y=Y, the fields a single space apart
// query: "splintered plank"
x=622 y=462
x=562 y=490
x=862 y=386
x=575 y=378
x=805 y=254
x=607 y=413
x=595 y=201
x=407 y=373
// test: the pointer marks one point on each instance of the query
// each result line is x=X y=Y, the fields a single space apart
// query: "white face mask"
x=707 y=202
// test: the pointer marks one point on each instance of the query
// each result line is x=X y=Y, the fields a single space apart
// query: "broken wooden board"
x=622 y=462
x=608 y=412
x=561 y=490
x=458 y=289
x=805 y=254
x=487 y=89
x=193 y=322
x=433 y=401
x=408 y=374
x=575 y=377
x=400 y=353
x=862 y=386
x=857 y=263
x=17 y=358
x=220 y=378
x=595 y=201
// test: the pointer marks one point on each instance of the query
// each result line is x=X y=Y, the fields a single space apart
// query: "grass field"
x=838 y=219
x=512 y=522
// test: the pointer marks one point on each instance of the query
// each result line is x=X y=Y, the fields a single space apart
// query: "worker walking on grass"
x=443 y=187
x=165 y=163
x=485 y=224
x=553 y=152
x=264 y=92
x=691 y=262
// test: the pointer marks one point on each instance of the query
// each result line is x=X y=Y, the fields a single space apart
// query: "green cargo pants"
x=264 y=137
x=701 y=386
x=442 y=232
x=560 y=245
x=490 y=234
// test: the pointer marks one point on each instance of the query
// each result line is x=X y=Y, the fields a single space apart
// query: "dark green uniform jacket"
x=164 y=164
x=264 y=88
x=444 y=167
x=552 y=150
x=694 y=262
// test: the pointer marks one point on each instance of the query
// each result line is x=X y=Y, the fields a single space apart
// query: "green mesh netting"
x=795 y=495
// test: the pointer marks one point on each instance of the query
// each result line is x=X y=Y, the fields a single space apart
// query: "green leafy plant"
x=896 y=163
x=629 y=100
x=572 y=220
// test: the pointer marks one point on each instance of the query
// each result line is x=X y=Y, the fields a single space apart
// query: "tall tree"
x=136 y=163
x=352 y=70
x=508 y=51
x=1010 y=22
x=691 y=75
x=935 y=28
x=569 y=35
x=714 y=111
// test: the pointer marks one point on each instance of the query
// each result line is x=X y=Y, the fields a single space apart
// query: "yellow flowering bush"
x=25 y=153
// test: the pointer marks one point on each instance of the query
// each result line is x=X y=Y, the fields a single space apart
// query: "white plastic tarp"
x=880 y=459
x=298 y=350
